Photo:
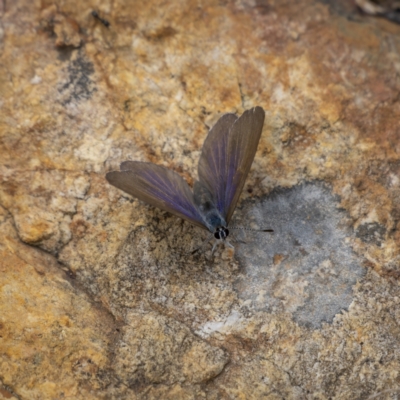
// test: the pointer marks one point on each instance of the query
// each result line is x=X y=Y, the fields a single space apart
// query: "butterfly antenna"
x=249 y=229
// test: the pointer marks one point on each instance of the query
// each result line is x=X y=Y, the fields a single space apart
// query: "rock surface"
x=99 y=298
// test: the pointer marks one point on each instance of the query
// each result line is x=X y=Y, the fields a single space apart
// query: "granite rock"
x=99 y=295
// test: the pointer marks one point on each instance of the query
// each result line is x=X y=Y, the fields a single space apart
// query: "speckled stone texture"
x=99 y=295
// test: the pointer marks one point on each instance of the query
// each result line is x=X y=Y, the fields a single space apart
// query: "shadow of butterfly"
x=225 y=161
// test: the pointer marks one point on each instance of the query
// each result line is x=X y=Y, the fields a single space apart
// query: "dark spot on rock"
x=79 y=85
x=393 y=15
x=263 y=6
x=104 y=21
x=372 y=233
x=204 y=111
x=65 y=53
x=127 y=105
x=343 y=8
x=10 y=187
x=71 y=275
x=161 y=33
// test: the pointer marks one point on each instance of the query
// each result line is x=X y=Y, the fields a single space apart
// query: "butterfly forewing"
x=213 y=162
x=227 y=155
x=157 y=186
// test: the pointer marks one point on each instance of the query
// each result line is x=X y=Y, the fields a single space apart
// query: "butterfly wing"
x=157 y=186
x=227 y=155
x=214 y=159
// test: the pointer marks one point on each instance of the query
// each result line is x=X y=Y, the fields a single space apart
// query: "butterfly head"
x=221 y=232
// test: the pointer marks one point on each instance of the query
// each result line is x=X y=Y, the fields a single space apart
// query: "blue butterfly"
x=225 y=161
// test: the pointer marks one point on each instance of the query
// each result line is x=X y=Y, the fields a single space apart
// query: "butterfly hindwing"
x=157 y=186
x=227 y=155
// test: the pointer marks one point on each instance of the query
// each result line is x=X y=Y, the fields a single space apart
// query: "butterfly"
x=225 y=161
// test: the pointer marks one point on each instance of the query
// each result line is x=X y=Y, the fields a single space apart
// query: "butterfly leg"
x=203 y=244
x=229 y=244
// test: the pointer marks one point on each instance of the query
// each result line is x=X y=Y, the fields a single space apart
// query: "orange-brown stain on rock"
x=102 y=236
x=278 y=258
x=160 y=33
x=35 y=231
x=79 y=227
x=6 y=394
x=296 y=135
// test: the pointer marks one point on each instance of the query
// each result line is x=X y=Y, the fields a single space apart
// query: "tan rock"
x=99 y=295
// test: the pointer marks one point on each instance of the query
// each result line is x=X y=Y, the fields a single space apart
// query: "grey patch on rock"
x=372 y=233
x=306 y=267
x=79 y=84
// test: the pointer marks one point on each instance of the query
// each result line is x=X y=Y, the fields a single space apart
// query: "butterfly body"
x=226 y=158
x=210 y=214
